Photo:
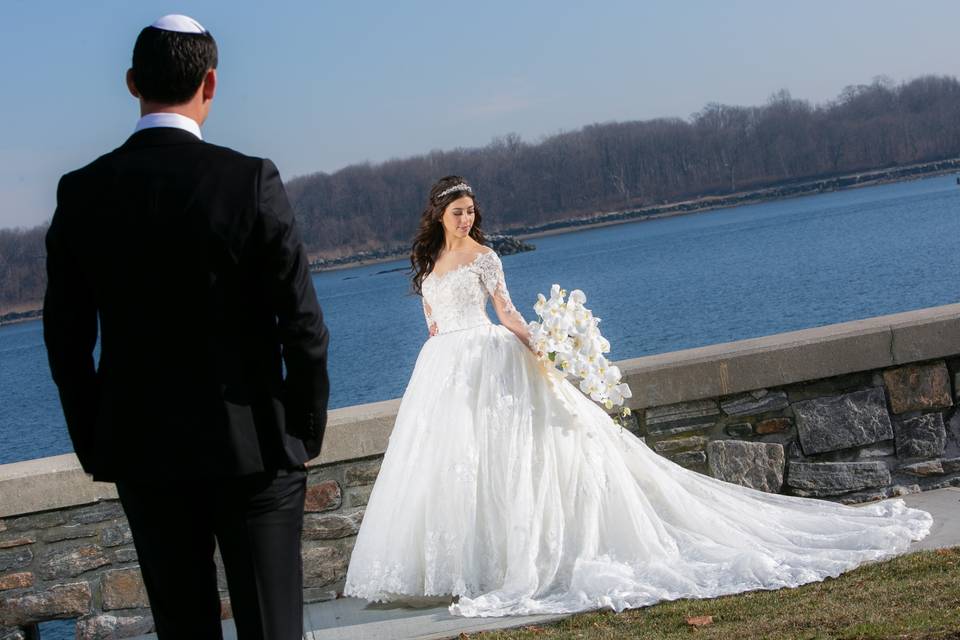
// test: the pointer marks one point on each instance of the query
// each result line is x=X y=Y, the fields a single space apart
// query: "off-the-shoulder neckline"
x=441 y=276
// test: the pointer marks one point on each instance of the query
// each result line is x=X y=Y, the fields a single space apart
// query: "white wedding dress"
x=506 y=486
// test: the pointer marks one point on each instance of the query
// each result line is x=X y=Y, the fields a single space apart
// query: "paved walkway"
x=352 y=619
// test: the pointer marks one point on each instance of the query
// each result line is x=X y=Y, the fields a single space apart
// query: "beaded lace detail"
x=456 y=300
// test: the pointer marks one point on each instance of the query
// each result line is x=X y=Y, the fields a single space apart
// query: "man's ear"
x=209 y=86
x=131 y=85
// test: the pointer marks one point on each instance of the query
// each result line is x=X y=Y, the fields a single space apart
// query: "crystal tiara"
x=463 y=186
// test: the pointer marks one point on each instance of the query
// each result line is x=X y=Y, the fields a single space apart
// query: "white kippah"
x=178 y=23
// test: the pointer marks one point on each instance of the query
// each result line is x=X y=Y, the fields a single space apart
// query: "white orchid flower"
x=569 y=333
x=540 y=305
x=612 y=375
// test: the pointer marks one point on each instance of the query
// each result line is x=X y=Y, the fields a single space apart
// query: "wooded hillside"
x=613 y=166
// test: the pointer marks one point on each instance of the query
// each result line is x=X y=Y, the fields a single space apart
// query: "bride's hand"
x=433 y=329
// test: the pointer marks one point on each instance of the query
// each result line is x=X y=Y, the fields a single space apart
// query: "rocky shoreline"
x=21 y=316
x=777 y=192
x=504 y=245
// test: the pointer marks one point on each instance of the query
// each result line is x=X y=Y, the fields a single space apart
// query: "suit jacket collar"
x=160 y=136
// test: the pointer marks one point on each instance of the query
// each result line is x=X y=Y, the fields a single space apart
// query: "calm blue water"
x=659 y=286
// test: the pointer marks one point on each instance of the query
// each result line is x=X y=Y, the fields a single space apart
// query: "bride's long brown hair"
x=429 y=239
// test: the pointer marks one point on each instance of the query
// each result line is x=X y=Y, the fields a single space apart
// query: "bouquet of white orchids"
x=567 y=335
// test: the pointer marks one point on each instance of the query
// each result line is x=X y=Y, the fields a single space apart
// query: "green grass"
x=911 y=597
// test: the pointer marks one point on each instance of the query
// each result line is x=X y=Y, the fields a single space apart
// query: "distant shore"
x=702 y=204
x=21 y=313
x=768 y=194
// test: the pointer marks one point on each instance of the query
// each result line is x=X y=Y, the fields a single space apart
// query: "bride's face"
x=458 y=218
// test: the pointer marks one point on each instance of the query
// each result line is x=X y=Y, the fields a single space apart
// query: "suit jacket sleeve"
x=303 y=335
x=70 y=329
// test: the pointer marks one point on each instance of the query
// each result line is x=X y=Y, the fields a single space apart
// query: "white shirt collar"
x=174 y=120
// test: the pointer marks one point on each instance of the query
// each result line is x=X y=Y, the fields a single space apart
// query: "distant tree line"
x=622 y=165
x=602 y=167
x=23 y=277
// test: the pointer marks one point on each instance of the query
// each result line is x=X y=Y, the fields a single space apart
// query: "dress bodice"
x=457 y=299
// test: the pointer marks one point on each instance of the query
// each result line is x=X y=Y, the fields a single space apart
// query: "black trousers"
x=255 y=520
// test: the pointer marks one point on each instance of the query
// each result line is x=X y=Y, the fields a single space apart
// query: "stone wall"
x=850 y=438
x=79 y=562
x=849 y=412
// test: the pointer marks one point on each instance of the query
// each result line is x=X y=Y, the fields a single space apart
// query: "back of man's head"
x=170 y=63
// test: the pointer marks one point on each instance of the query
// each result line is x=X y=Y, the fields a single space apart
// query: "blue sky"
x=319 y=85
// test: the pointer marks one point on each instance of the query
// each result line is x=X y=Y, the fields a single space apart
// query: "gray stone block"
x=739 y=429
x=104 y=626
x=359 y=496
x=72 y=563
x=953 y=429
x=323 y=566
x=760 y=401
x=835 y=478
x=37 y=521
x=331 y=526
x=687 y=428
x=15 y=558
x=116 y=535
x=850 y=420
x=100 y=512
x=125 y=555
x=680 y=444
x=68 y=532
x=362 y=473
x=756 y=465
x=59 y=602
x=794 y=451
x=921 y=437
x=673 y=413
x=878 y=450
x=695 y=460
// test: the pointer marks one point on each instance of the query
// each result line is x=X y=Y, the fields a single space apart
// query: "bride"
x=515 y=494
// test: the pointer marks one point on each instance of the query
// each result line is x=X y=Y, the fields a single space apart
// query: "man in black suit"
x=185 y=256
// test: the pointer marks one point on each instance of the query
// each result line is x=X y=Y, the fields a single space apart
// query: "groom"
x=184 y=257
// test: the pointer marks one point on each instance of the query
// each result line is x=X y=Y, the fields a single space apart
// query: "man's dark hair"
x=168 y=66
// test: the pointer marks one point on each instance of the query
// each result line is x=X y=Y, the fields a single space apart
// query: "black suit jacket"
x=186 y=257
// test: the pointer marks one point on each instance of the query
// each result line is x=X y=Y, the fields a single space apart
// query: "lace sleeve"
x=428 y=315
x=491 y=274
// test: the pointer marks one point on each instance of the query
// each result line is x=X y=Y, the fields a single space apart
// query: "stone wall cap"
x=774 y=360
x=48 y=483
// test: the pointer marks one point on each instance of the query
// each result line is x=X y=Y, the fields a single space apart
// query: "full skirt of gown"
x=504 y=485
